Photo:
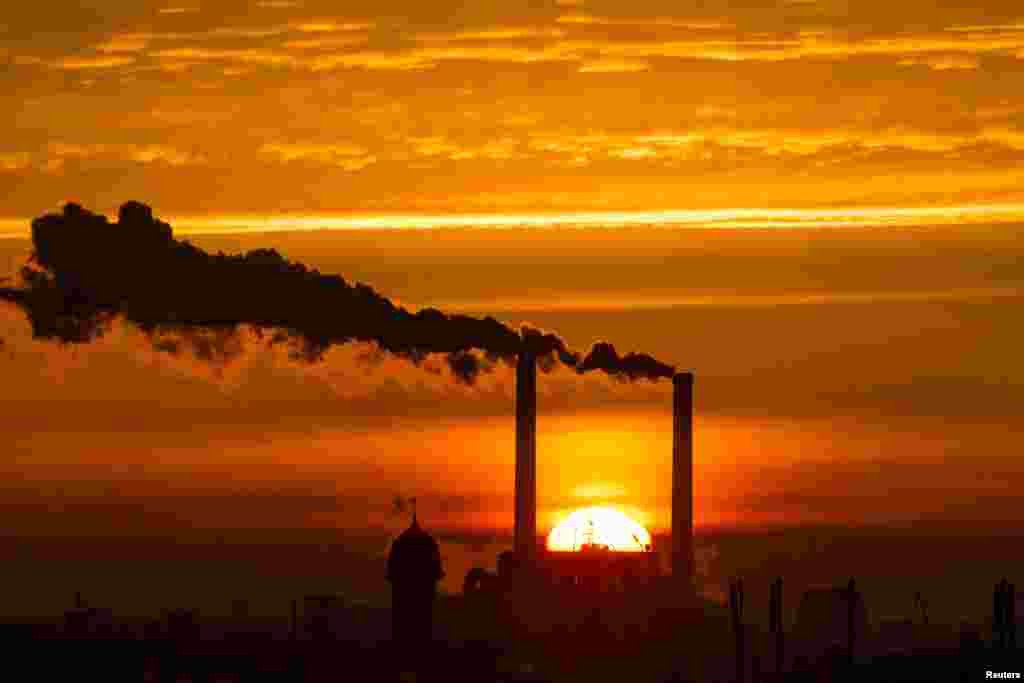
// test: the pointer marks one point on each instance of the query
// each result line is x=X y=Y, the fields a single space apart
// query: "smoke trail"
x=85 y=271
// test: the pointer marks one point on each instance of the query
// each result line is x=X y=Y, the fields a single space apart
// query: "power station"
x=531 y=555
x=530 y=576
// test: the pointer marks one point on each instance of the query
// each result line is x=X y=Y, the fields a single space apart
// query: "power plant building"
x=586 y=565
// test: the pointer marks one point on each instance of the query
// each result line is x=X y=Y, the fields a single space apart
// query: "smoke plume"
x=85 y=271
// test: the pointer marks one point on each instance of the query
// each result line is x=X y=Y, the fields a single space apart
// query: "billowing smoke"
x=85 y=271
x=603 y=356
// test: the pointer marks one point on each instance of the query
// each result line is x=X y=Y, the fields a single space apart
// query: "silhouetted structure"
x=531 y=577
x=1004 y=620
x=86 y=623
x=526 y=460
x=738 y=629
x=479 y=581
x=413 y=568
x=508 y=564
x=599 y=568
x=831 y=621
x=320 y=615
x=777 y=626
x=682 y=482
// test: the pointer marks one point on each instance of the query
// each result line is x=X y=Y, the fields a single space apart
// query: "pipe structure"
x=682 y=481
x=526 y=460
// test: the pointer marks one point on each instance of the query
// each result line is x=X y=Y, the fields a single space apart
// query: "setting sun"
x=599 y=526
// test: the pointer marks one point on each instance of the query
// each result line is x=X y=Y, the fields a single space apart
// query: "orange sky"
x=863 y=375
x=865 y=372
x=241 y=106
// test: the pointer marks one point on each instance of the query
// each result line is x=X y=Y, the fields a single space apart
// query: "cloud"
x=127 y=43
x=437 y=146
x=498 y=33
x=693 y=145
x=614 y=49
x=28 y=60
x=606 y=51
x=786 y=47
x=56 y=153
x=178 y=10
x=15 y=161
x=148 y=154
x=607 y=303
x=348 y=156
x=520 y=54
x=138 y=40
x=94 y=62
x=592 y=20
x=613 y=66
x=244 y=55
x=986 y=28
x=943 y=62
x=330 y=26
x=323 y=43
x=369 y=59
x=594 y=43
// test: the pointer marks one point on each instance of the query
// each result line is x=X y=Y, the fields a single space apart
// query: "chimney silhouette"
x=526 y=459
x=682 y=480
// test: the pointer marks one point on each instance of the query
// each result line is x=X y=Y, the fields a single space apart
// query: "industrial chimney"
x=682 y=480
x=526 y=460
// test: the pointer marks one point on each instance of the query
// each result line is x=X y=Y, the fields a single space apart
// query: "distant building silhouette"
x=479 y=580
x=413 y=568
x=825 y=619
x=508 y=564
x=320 y=614
x=84 y=623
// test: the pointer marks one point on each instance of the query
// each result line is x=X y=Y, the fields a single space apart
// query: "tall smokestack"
x=526 y=459
x=682 y=480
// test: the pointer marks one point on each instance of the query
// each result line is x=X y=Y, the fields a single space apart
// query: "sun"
x=600 y=526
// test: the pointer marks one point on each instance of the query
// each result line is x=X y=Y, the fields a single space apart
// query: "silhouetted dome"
x=414 y=556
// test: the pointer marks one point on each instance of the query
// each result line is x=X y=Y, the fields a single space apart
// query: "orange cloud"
x=943 y=62
x=96 y=62
x=613 y=66
x=52 y=160
x=592 y=20
x=14 y=161
x=324 y=42
x=126 y=43
x=249 y=56
x=330 y=26
x=372 y=60
x=347 y=156
x=500 y=33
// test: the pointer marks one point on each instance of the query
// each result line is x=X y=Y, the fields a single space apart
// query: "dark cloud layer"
x=86 y=270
